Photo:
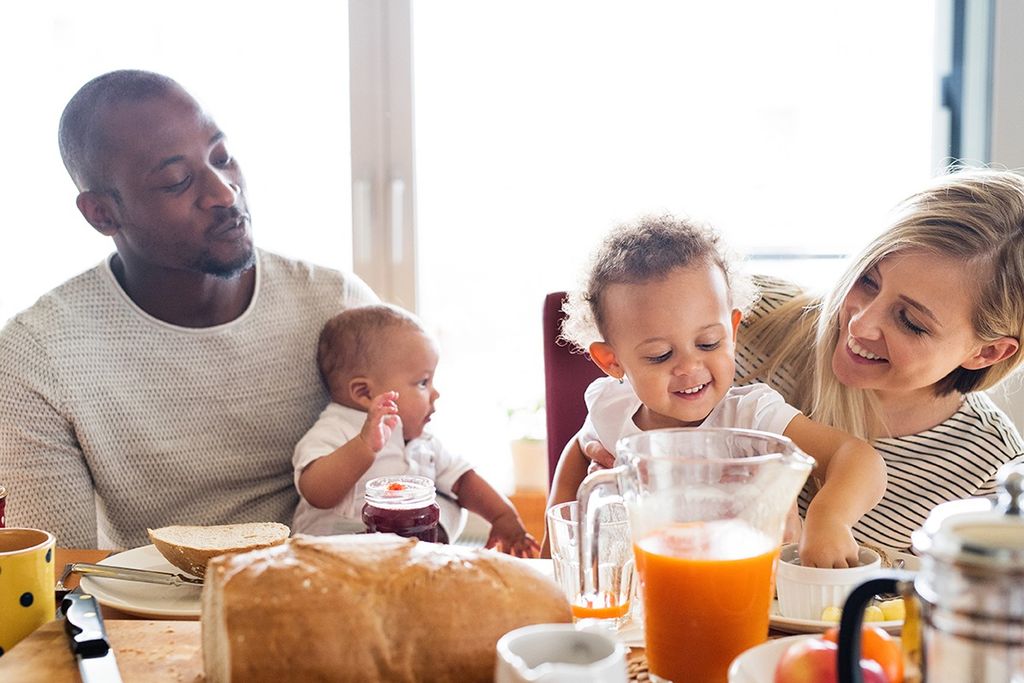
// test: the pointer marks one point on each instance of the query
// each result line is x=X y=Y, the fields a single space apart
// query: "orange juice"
x=707 y=589
x=603 y=606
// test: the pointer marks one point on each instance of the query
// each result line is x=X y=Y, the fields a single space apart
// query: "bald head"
x=81 y=133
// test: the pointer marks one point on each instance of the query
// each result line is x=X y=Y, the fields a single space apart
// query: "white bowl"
x=804 y=592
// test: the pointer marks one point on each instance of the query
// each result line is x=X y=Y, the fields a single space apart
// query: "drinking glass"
x=609 y=601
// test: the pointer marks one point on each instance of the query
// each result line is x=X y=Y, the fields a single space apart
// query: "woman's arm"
x=854 y=480
x=569 y=473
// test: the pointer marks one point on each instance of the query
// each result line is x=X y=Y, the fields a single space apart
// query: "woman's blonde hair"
x=646 y=250
x=973 y=216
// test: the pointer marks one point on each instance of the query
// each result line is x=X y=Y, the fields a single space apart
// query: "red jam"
x=3 y=506
x=403 y=505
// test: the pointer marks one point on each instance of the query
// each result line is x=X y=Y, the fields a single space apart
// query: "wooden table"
x=147 y=650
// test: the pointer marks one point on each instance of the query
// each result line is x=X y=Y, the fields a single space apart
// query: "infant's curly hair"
x=350 y=341
x=645 y=250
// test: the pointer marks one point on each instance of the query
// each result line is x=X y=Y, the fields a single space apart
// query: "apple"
x=814 y=661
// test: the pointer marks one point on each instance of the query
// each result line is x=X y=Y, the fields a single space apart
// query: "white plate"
x=144 y=599
x=788 y=625
x=757 y=665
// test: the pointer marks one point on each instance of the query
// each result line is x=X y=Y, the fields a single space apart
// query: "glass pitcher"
x=707 y=508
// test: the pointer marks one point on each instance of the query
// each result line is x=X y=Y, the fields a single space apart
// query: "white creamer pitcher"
x=559 y=653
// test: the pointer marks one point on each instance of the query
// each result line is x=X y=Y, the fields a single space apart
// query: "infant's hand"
x=508 y=536
x=598 y=454
x=381 y=420
x=827 y=543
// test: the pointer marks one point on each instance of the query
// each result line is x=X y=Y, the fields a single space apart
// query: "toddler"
x=658 y=314
x=378 y=364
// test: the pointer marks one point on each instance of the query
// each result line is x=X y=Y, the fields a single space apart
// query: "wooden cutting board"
x=146 y=651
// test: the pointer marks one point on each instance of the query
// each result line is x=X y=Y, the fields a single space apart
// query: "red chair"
x=566 y=377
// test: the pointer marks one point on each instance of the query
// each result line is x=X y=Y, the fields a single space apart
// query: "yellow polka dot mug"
x=26 y=583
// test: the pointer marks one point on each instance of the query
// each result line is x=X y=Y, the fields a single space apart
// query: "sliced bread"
x=189 y=548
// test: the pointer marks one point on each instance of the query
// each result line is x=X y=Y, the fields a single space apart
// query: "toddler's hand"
x=827 y=543
x=509 y=536
x=381 y=420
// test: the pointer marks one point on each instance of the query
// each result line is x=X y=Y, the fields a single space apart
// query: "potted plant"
x=528 y=446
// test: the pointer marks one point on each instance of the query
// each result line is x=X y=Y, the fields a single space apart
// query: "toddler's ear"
x=360 y=393
x=604 y=356
x=737 y=316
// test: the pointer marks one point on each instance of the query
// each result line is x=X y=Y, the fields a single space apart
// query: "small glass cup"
x=610 y=603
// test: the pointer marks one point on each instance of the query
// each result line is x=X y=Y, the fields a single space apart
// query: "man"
x=169 y=384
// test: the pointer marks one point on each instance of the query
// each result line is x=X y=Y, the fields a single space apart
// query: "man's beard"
x=226 y=270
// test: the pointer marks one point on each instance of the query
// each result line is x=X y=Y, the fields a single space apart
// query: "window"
x=793 y=128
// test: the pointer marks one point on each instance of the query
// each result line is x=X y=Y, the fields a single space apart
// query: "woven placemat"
x=636 y=665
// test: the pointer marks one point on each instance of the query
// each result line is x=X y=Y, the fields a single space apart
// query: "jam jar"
x=3 y=506
x=403 y=505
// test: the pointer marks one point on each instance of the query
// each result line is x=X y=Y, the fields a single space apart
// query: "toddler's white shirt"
x=611 y=406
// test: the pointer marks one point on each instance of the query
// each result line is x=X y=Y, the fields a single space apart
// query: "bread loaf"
x=372 y=607
x=189 y=548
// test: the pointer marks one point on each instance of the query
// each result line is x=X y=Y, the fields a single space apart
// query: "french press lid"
x=978 y=531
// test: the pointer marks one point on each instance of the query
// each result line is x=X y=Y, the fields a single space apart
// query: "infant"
x=378 y=364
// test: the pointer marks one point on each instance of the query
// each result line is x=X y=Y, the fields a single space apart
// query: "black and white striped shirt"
x=953 y=460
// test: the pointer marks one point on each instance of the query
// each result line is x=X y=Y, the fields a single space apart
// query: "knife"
x=129 y=574
x=84 y=624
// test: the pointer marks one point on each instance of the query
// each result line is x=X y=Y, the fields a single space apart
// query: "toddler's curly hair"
x=645 y=250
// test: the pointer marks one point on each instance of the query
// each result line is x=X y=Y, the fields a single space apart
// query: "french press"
x=965 y=606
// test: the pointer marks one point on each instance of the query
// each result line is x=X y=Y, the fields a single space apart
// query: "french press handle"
x=852 y=619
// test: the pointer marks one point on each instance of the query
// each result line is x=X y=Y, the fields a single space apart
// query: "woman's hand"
x=598 y=455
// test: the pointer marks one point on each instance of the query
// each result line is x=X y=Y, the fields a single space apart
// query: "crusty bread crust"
x=370 y=607
x=189 y=548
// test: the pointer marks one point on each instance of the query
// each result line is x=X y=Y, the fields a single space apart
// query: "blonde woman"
x=929 y=316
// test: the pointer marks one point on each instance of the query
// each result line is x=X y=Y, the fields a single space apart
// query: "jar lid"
x=400 y=491
x=978 y=531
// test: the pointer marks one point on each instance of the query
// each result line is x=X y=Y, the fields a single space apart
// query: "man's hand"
x=381 y=420
x=509 y=536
